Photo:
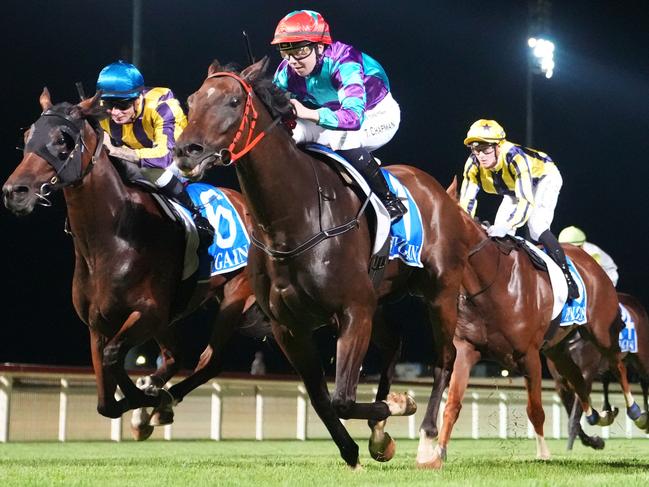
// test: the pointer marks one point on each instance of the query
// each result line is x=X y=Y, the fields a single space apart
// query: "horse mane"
x=276 y=100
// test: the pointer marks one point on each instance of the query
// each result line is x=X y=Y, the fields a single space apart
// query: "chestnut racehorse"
x=309 y=266
x=505 y=313
x=128 y=255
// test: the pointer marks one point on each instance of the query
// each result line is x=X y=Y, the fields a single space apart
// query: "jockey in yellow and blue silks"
x=341 y=97
x=142 y=129
x=528 y=180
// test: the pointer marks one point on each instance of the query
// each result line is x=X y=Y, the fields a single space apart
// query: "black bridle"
x=70 y=171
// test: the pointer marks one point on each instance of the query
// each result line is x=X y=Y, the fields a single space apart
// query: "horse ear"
x=45 y=100
x=215 y=67
x=89 y=105
x=452 y=189
x=254 y=71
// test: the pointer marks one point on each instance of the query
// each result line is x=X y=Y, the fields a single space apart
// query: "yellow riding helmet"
x=488 y=131
x=572 y=235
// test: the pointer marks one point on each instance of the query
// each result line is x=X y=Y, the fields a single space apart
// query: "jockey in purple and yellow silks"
x=341 y=97
x=528 y=180
x=142 y=129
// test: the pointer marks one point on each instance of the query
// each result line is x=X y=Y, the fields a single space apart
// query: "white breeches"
x=160 y=177
x=546 y=194
x=378 y=128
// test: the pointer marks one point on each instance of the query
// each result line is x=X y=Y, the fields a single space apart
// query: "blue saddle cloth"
x=628 y=339
x=574 y=311
x=407 y=233
x=229 y=250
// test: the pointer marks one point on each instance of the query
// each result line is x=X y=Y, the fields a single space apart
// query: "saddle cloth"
x=628 y=339
x=406 y=234
x=572 y=312
x=228 y=251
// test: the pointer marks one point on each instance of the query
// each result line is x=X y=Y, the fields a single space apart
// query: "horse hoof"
x=436 y=462
x=162 y=418
x=384 y=450
x=594 y=442
x=401 y=404
x=607 y=417
x=643 y=421
x=142 y=433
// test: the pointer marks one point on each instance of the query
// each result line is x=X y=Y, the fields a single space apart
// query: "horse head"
x=58 y=153
x=225 y=117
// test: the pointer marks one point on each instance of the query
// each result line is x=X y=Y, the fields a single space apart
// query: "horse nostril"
x=194 y=149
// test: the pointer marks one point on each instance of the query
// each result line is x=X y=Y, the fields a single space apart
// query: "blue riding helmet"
x=120 y=80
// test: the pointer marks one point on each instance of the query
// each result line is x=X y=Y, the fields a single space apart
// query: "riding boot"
x=175 y=190
x=363 y=161
x=555 y=251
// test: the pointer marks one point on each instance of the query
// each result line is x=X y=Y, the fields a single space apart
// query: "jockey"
x=142 y=128
x=341 y=97
x=528 y=180
x=576 y=236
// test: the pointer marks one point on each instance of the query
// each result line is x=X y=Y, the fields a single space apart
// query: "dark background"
x=449 y=64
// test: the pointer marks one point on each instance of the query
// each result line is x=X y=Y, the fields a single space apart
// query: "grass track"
x=198 y=463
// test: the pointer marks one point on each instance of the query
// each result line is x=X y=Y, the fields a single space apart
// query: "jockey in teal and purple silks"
x=341 y=97
x=345 y=84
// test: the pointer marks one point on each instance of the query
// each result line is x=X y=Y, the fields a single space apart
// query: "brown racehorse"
x=313 y=268
x=505 y=312
x=128 y=254
x=594 y=366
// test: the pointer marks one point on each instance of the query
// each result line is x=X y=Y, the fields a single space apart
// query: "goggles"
x=486 y=149
x=297 y=53
x=119 y=103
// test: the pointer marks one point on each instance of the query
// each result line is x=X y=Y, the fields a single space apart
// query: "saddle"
x=511 y=242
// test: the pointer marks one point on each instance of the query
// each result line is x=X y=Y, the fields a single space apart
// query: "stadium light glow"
x=140 y=360
x=542 y=55
x=504 y=373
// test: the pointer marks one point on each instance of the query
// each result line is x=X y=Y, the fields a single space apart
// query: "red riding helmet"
x=302 y=26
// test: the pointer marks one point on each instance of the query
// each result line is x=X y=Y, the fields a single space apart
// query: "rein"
x=318 y=237
x=248 y=119
x=472 y=252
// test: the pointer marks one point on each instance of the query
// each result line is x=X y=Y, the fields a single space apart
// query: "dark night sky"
x=449 y=64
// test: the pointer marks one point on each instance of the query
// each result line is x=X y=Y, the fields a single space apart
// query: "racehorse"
x=505 y=314
x=128 y=255
x=594 y=366
x=309 y=265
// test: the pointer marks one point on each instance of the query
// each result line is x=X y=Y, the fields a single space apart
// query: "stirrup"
x=573 y=290
x=395 y=207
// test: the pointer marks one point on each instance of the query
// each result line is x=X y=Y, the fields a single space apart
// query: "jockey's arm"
x=168 y=123
x=523 y=190
x=348 y=81
x=470 y=188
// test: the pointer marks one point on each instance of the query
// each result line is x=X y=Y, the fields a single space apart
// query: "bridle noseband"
x=228 y=155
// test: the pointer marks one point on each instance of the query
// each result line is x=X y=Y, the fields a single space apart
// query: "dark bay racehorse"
x=313 y=269
x=594 y=366
x=128 y=255
x=505 y=312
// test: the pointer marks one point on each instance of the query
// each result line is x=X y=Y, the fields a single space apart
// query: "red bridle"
x=248 y=119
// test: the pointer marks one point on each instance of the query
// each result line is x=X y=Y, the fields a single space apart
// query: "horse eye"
x=60 y=140
x=235 y=101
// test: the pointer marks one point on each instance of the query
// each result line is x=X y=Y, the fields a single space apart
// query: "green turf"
x=623 y=463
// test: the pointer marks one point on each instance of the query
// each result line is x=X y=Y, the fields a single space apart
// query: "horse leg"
x=302 y=352
x=388 y=340
x=632 y=409
x=106 y=384
x=533 y=375
x=441 y=315
x=210 y=363
x=571 y=372
x=351 y=347
x=429 y=455
x=113 y=360
x=645 y=414
x=141 y=427
x=608 y=413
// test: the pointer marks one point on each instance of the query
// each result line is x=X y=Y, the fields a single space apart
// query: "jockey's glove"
x=498 y=231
